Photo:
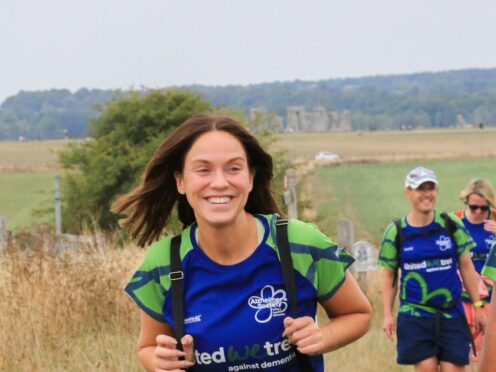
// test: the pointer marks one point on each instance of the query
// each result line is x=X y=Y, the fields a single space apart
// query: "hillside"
x=379 y=102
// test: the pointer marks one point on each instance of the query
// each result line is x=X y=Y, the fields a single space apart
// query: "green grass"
x=371 y=195
x=22 y=194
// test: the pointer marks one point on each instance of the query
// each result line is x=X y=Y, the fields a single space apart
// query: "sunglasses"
x=483 y=208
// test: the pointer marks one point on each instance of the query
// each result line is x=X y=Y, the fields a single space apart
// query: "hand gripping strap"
x=176 y=277
x=290 y=283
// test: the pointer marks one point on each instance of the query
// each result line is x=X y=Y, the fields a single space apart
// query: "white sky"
x=105 y=44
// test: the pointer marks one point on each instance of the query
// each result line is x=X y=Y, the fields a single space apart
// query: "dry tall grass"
x=67 y=312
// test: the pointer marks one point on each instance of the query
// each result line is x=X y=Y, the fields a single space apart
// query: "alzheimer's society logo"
x=444 y=243
x=490 y=240
x=270 y=303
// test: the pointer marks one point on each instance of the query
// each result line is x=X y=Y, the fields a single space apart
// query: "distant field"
x=394 y=145
x=391 y=145
x=34 y=156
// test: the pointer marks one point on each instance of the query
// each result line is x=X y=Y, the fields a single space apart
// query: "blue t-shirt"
x=428 y=264
x=483 y=241
x=235 y=312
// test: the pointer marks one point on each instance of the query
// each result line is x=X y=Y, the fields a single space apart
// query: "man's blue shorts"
x=417 y=340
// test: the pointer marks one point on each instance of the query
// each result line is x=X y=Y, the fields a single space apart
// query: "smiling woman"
x=236 y=300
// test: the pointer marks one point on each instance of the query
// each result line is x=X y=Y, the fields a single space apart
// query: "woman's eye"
x=234 y=169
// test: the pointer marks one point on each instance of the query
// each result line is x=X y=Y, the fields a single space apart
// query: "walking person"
x=479 y=218
x=488 y=355
x=236 y=300
x=428 y=247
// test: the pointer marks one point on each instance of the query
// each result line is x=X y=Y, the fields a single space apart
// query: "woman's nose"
x=219 y=179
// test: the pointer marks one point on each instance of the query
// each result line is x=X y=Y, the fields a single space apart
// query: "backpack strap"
x=399 y=239
x=286 y=264
x=289 y=282
x=176 y=276
x=450 y=225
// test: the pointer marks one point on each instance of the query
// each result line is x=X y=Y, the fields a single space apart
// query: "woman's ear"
x=179 y=182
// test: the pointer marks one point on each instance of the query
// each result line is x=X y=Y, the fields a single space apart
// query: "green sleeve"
x=318 y=258
x=150 y=283
x=388 y=255
x=489 y=268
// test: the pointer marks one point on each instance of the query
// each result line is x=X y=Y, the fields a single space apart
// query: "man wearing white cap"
x=428 y=248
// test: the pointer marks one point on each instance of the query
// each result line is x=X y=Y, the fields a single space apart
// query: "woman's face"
x=477 y=208
x=216 y=178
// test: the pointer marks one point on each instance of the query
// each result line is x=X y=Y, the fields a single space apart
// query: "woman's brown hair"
x=149 y=206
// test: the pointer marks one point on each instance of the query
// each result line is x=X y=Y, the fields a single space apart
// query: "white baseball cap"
x=418 y=176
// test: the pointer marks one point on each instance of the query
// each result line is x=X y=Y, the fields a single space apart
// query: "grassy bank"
x=371 y=195
x=26 y=198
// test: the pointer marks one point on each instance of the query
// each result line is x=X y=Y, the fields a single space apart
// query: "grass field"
x=27 y=170
x=24 y=197
x=394 y=145
x=34 y=156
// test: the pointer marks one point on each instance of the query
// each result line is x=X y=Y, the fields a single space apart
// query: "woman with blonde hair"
x=479 y=217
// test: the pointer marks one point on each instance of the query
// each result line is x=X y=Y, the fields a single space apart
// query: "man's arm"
x=388 y=295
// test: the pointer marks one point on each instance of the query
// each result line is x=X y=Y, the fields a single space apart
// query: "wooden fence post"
x=3 y=233
x=290 y=196
x=346 y=237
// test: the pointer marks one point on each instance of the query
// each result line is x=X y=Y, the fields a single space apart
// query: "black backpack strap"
x=398 y=243
x=176 y=276
x=286 y=264
x=289 y=282
x=450 y=225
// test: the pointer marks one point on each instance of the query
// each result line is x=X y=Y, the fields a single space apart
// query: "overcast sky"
x=71 y=44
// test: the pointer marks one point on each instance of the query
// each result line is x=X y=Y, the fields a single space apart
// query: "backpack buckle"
x=176 y=275
x=282 y=222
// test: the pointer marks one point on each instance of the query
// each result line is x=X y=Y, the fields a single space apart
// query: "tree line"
x=379 y=102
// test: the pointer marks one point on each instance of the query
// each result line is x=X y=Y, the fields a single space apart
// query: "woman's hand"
x=490 y=225
x=167 y=356
x=305 y=334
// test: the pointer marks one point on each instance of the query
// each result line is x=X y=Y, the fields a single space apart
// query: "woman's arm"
x=349 y=314
x=488 y=356
x=157 y=346
x=470 y=281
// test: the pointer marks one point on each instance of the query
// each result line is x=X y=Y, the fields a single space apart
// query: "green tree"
x=124 y=136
